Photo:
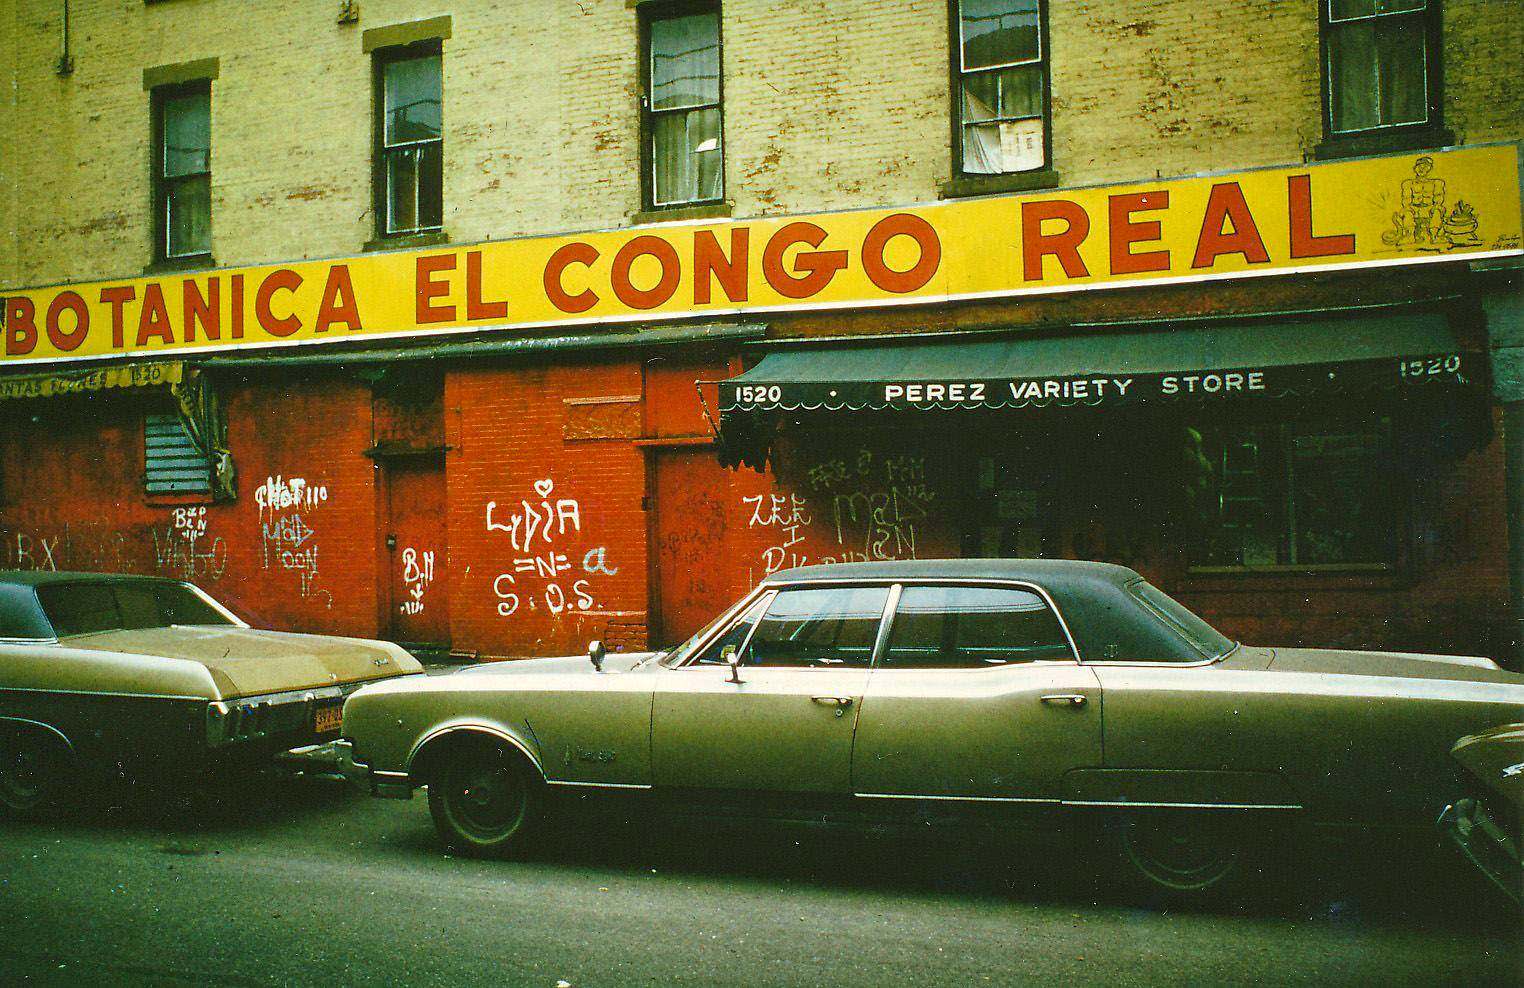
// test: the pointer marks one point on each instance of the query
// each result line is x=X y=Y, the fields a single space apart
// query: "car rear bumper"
x=338 y=757
x=1487 y=843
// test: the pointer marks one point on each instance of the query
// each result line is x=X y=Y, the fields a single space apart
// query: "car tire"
x=35 y=773
x=485 y=800
x=1184 y=857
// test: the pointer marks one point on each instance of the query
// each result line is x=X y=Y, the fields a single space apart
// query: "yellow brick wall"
x=829 y=104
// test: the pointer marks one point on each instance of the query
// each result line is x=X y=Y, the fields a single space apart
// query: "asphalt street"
x=305 y=882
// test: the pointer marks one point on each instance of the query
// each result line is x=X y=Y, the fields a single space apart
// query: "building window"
x=410 y=151
x=1002 y=87
x=1295 y=495
x=1381 y=64
x=183 y=170
x=683 y=123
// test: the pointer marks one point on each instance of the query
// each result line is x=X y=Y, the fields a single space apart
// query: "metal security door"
x=693 y=579
x=417 y=548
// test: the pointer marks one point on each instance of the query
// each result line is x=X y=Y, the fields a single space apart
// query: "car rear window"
x=1211 y=643
x=88 y=608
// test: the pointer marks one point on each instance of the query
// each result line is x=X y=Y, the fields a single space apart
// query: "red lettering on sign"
x=283 y=279
x=1123 y=232
x=1304 y=243
x=153 y=319
x=1063 y=244
x=671 y=272
x=476 y=307
x=236 y=304
x=565 y=256
x=71 y=339
x=1226 y=205
x=877 y=240
x=338 y=304
x=20 y=326
x=207 y=311
x=820 y=266
x=427 y=289
x=117 y=297
x=730 y=272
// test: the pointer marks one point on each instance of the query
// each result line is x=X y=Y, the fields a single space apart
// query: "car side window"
x=823 y=628
x=713 y=655
x=958 y=627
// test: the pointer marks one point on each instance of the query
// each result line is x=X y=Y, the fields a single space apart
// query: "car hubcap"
x=1178 y=856
x=21 y=777
x=488 y=801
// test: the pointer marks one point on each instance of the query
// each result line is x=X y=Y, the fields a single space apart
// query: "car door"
x=787 y=725
x=976 y=694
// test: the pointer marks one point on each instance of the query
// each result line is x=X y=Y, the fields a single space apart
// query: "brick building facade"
x=524 y=490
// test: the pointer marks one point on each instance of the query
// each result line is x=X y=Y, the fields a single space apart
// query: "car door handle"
x=832 y=701
x=1065 y=699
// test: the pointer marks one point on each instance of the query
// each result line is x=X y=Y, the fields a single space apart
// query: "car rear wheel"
x=34 y=772
x=1182 y=855
x=485 y=801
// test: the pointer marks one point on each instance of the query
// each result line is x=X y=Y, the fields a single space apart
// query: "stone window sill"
x=670 y=214
x=403 y=241
x=984 y=185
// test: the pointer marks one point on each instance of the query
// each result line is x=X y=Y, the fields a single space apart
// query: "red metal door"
x=693 y=579
x=417 y=546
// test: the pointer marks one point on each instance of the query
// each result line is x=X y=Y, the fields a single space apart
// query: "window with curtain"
x=410 y=173
x=1378 y=70
x=685 y=143
x=183 y=170
x=1002 y=86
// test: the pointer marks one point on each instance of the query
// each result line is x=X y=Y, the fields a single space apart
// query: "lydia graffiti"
x=549 y=569
x=287 y=539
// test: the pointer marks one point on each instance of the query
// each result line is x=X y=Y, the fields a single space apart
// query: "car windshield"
x=88 y=608
x=679 y=655
x=1211 y=643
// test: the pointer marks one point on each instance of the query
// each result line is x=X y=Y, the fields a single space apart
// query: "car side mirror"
x=596 y=652
x=732 y=658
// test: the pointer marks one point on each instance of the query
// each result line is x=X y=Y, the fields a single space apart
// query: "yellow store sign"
x=1444 y=206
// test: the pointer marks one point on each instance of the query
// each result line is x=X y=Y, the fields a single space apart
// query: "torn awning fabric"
x=1096 y=369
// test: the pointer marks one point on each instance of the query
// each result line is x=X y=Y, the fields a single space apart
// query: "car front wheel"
x=485 y=801
x=33 y=773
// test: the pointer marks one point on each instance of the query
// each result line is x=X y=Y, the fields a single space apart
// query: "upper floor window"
x=1002 y=69
x=683 y=123
x=410 y=152
x=1380 y=64
x=182 y=126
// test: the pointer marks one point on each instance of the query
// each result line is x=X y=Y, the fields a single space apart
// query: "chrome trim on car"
x=130 y=696
x=598 y=785
x=959 y=799
x=496 y=732
x=46 y=727
x=1131 y=804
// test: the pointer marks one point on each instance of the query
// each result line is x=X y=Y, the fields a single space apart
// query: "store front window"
x=1294 y=495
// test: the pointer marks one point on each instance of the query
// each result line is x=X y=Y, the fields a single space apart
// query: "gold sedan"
x=1045 y=690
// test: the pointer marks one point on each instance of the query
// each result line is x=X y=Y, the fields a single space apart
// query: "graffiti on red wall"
x=185 y=548
x=862 y=506
x=288 y=540
x=552 y=568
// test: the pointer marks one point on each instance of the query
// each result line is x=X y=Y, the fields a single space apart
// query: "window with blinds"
x=171 y=462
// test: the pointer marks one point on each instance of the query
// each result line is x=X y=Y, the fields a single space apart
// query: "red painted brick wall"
x=564 y=558
x=71 y=497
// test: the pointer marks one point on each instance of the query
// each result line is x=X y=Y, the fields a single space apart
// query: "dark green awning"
x=1245 y=360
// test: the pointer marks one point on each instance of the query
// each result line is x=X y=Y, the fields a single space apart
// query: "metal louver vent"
x=172 y=463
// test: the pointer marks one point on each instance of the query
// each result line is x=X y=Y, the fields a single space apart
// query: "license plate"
x=325 y=719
